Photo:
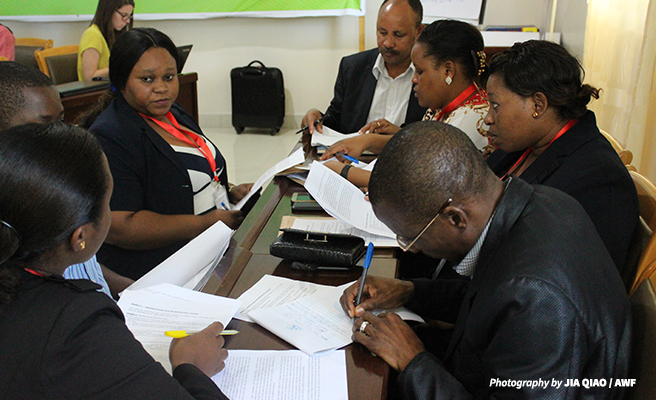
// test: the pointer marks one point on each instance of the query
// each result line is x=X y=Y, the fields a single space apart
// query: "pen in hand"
x=181 y=334
x=346 y=156
x=365 y=269
x=317 y=122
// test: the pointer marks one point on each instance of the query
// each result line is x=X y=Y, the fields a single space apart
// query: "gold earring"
x=535 y=114
x=83 y=245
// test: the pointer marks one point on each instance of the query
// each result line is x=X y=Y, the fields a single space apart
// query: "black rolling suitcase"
x=258 y=97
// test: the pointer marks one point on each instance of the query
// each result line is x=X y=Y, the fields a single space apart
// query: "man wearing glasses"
x=534 y=296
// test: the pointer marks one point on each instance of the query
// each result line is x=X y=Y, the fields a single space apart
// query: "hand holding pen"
x=305 y=124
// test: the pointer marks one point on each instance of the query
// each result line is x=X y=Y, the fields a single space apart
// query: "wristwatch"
x=345 y=171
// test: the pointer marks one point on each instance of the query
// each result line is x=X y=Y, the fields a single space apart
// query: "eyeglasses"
x=124 y=16
x=406 y=243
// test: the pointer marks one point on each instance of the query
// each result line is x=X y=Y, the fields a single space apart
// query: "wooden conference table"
x=78 y=97
x=247 y=260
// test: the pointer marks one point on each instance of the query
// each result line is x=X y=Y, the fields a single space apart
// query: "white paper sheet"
x=186 y=263
x=272 y=291
x=342 y=200
x=295 y=158
x=329 y=137
x=151 y=311
x=283 y=375
x=313 y=323
x=329 y=225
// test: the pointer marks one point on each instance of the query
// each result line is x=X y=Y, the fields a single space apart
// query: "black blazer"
x=545 y=302
x=148 y=175
x=354 y=92
x=61 y=339
x=584 y=165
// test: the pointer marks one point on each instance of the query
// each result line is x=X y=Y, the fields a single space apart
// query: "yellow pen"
x=181 y=334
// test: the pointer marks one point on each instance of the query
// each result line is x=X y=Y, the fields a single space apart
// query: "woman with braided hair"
x=449 y=67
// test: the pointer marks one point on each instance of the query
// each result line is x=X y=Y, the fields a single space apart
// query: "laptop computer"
x=183 y=53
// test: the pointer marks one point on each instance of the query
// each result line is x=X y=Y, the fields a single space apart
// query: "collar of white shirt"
x=380 y=68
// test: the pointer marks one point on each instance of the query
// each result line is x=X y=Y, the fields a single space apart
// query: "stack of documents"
x=192 y=265
x=334 y=226
x=297 y=157
x=343 y=200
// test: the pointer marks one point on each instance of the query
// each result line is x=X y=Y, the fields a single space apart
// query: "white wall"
x=307 y=50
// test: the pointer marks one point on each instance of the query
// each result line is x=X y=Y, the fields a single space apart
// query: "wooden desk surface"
x=248 y=259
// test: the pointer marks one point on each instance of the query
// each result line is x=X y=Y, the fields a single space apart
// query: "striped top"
x=89 y=270
x=201 y=176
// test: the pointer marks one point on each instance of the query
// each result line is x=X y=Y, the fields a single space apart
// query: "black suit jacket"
x=545 y=302
x=61 y=339
x=148 y=175
x=354 y=92
x=584 y=165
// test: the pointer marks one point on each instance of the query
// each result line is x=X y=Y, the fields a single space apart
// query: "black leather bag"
x=317 y=250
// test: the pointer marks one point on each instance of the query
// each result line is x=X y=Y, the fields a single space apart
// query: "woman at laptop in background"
x=170 y=181
x=61 y=338
x=112 y=18
x=449 y=65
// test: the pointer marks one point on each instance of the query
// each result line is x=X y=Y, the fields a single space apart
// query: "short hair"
x=416 y=7
x=457 y=41
x=103 y=18
x=541 y=66
x=125 y=54
x=54 y=179
x=423 y=165
x=129 y=48
x=14 y=78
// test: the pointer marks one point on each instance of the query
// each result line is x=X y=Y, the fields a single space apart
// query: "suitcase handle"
x=257 y=61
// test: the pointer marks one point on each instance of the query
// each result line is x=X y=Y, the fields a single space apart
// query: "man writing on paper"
x=374 y=87
x=536 y=296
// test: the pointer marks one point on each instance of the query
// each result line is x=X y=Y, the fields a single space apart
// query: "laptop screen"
x=183 y=53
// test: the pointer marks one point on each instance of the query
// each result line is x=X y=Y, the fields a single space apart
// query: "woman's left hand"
x=238 y=192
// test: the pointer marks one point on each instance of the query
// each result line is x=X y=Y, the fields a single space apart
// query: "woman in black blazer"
x=545 y=135
x=61 y=338
x=170 y=181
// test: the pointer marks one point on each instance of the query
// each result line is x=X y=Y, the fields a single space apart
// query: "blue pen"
x=365 y=268
x=346 y=156
x=224 y=206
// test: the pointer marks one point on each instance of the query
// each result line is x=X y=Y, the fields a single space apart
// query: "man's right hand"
x=378 y=293
x=309 y=119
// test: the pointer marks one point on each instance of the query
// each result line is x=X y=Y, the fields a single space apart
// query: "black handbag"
x=313 y=250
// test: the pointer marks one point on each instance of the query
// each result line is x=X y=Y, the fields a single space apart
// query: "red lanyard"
x=191 y=138
x=528 y=151
x=457 y=101
x=33 y=272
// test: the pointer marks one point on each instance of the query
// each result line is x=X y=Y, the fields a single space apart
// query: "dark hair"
x=103 y=18
x=53 y=179
x=416 y=6
x=457 y=41
x=14 y=78
x=545 y=67
x=125 y=54
x=451 y=166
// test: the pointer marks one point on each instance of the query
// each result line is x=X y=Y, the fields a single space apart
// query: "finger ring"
x=363 y=326
x=378 y=122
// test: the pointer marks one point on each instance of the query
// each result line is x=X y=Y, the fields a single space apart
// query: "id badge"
x=221 y=199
